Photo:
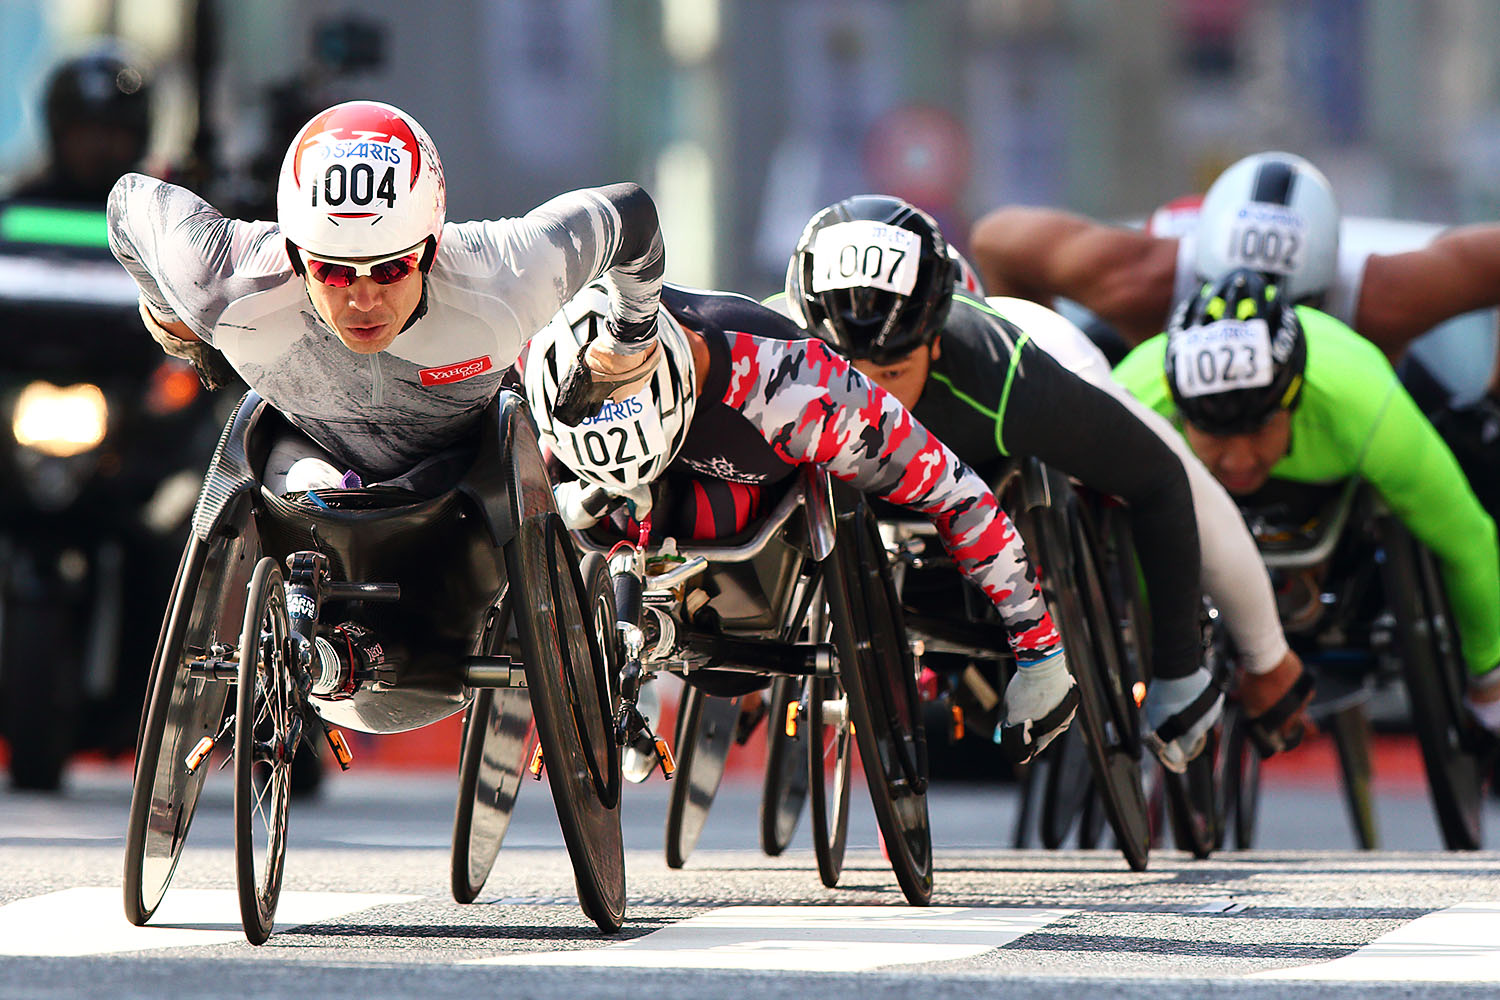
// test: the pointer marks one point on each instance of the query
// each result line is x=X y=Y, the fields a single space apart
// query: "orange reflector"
x=200 y=750
x=664 y=752
x=1138 y=692
x=535 y=767
x=958 y=722
x=792 y=709
x=341 y=751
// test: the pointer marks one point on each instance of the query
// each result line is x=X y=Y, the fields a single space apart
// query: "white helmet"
x=630 y=442
x=361 y=179
x=1274 y=213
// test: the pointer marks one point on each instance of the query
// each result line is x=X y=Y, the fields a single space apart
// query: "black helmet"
x=873 y=277
x=1235 y=354
x=100 y=86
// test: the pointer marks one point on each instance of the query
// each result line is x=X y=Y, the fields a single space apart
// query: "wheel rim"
x=263 y=750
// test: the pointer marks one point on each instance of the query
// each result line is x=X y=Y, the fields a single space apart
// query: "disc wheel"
x=705 y=731
x=268 y=727
x=497 y=736
x=1193 y=802
x=572 y=701
x=876 y=670
x=1435 y=676
x=786 y=785
x=1108 y=714
x=179 y=710
x=830 y=752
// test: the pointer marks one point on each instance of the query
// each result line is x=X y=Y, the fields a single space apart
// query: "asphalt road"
x=366 y=911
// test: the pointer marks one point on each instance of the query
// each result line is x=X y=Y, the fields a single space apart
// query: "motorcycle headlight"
x=60 y=421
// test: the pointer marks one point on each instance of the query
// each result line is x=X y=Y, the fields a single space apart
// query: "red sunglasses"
x=384 y=270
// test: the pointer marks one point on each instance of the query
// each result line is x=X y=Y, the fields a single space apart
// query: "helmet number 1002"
x=1265 y=248
x=355 y=184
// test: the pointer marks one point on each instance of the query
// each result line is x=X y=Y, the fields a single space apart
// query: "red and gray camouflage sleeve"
x=811 y=405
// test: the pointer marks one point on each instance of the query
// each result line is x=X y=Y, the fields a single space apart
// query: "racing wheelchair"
x=1363 y=604
x=395 y=605
x=1088 y=579
x=803 y=596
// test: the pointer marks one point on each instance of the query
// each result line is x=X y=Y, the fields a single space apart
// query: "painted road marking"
x=1458 y=945
x=91 y=921
x=810 y=938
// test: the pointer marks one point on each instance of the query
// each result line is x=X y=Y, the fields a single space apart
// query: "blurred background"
x=742 y=117
x=745 y=116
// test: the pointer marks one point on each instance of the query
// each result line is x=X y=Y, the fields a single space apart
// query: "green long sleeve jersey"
x=1355 y=419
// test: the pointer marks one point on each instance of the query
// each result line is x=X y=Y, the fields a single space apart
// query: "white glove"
x=575 y=498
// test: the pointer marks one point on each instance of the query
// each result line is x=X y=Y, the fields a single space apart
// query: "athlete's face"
x=1243 y=462
x=367 y=315
x=906 y=377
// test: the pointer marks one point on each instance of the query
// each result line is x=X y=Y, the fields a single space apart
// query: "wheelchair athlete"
x=971 y=371
x=1263 y=390
x=377 y=328
x=740 y=401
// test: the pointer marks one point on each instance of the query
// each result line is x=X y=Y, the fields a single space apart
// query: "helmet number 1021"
x=355 y=185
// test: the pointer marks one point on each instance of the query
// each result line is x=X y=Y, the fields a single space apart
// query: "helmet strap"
x=420 y=310
x=298 y=268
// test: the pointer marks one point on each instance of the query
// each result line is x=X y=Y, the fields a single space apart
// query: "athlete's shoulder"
x=701 y=309
x=1334 y=348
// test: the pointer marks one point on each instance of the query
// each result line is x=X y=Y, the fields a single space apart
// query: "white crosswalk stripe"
x=91 y=921
x=1455 y=945
x=810 y=938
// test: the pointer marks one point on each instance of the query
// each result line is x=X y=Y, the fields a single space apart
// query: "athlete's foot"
x=1040 y=702
x=1180 y=712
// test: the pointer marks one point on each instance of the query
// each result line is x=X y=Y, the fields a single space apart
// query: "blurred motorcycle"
x=102 y=443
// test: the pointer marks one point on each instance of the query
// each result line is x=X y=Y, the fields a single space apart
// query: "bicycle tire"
x=829 y=753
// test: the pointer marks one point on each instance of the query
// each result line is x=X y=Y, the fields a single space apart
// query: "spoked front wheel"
x=573 y=703
x=830 y=750
x=268 y=726
x=876 y=670
x=180 y=710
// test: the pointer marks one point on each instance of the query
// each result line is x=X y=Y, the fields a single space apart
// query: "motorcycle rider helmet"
x=361 y=180
x=1236 y=354
x=630 y=442
x=872 y=276
x=98 y=115
x=1274 y=212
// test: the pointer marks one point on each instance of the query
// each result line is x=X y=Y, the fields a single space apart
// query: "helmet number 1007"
x=356 y=185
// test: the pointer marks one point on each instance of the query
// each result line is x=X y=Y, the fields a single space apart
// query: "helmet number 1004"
x=355 y=185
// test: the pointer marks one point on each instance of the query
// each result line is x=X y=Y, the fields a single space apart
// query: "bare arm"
x=1404 y=295
x=1123 y=276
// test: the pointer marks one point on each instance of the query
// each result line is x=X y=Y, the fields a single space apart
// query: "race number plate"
x=623 y=434
x=865 y=254
x=1228 y=354
x=1267 y=238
